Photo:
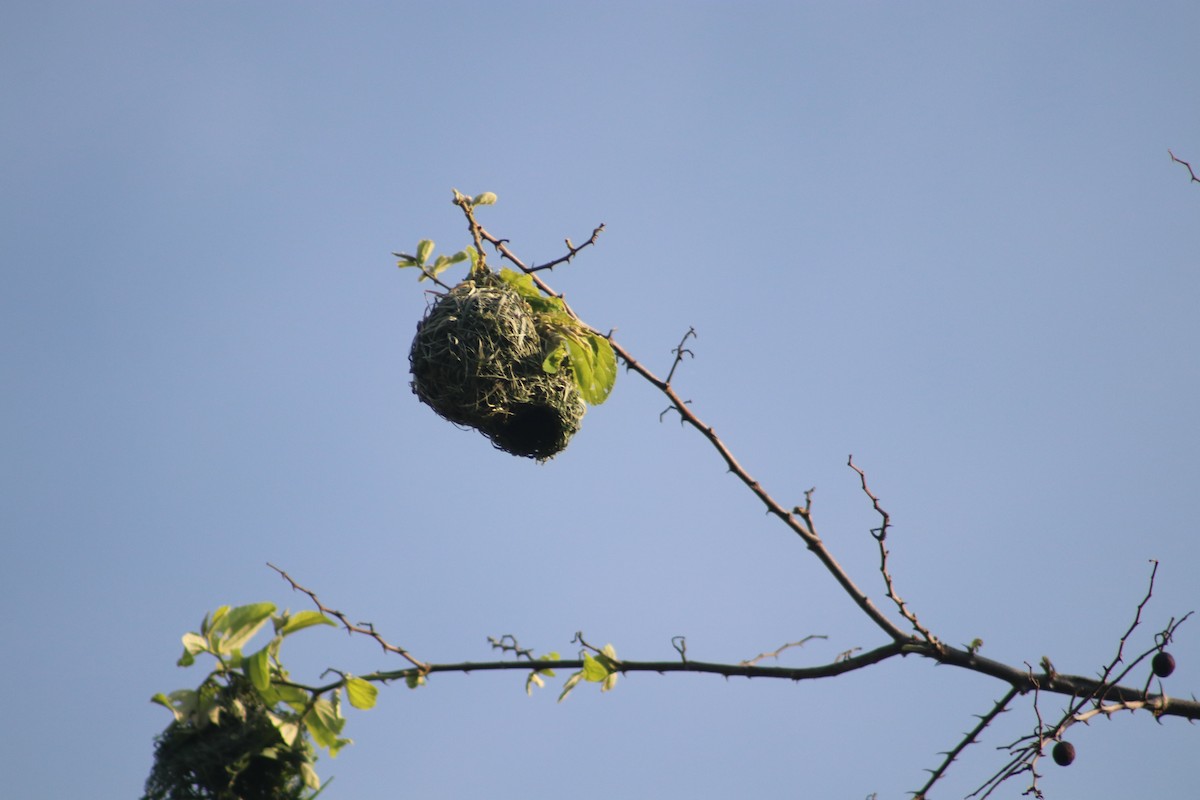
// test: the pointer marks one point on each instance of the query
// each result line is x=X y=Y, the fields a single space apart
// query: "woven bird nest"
x=240 y=757
x=477 y=360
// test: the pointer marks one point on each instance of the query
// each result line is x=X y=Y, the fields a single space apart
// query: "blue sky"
x=946 y=239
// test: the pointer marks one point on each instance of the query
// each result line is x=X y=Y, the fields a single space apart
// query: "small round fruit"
x=1064 y=753
x=1163 y=663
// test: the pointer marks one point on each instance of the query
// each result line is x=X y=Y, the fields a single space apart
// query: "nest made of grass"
x=477 y=361
x=240 y=757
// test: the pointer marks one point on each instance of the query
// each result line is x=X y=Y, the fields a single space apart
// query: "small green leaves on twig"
x=440 y=265
x=602 y=668
x=535 y=677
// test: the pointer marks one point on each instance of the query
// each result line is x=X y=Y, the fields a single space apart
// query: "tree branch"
x=1179 y=160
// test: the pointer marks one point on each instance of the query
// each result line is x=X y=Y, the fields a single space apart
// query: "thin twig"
x=571 y=251
x=680 y=351
x=880 y=536
x=775 y=653
x=968 y=739
x=1179 y=160
x=365 y=629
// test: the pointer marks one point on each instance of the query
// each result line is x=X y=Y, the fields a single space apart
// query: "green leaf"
x=594 y=670
x=485 y=199
x=414 y=679
x=182 y=703
x=553 y=362
x=533 y=680
x=571 y=683
x=291 y=695
x=258 y=669
x=424 y=250
x=310 y=776
x=324 y=724
x=302 y=620
x=594 y=365
x=234 y=629
x=362 y=694
x=523 y=283
x=288 y=729
x=192 y=643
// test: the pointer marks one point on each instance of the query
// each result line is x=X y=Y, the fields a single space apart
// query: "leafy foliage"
x=602 y=668
x=589 y=355
x=247 y=732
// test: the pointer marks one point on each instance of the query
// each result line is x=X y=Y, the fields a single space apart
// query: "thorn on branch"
x=675 y=408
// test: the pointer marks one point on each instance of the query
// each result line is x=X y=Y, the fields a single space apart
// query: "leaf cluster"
x=248 y=731
x=570 y=343
x=602 y=668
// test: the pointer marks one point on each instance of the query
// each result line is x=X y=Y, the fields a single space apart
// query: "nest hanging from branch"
x=478 y=360
x=241 y=756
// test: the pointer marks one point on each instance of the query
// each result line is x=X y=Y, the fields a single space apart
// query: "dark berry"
x=1064 y=753
x=1163 y=663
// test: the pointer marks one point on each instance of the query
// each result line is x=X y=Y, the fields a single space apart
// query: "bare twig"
x=363 y=628
x=571 y=251
x=1179 y=160
x=880 y=536
x=971 y=737
x=508 y=644
x=775 y=653
x=680 y=351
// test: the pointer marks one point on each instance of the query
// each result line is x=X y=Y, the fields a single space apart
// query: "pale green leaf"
x=288 y=729
x=192 y=644
x=182 y=703
x=302 y=620
x=258 y=669
x=594 y=366
x=485 y=199
x=523 y=283
x=211 y=619
x=309 y=775
x=424 y=250
x=237 y=627
x=324 y=723
x=293 y=696
x=362 y=694
x=571 y=683
x=553 y=362
x=594 y=670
